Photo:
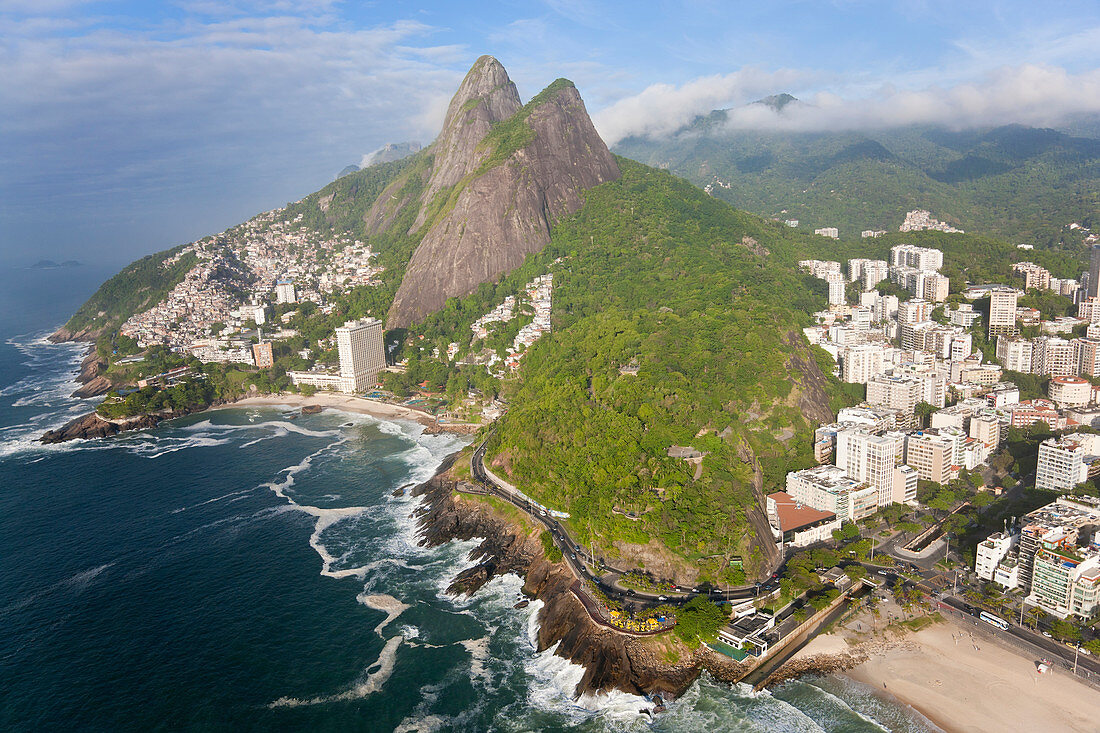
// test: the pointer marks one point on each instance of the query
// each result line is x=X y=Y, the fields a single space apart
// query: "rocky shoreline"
x=612 y=661
x=90 y=426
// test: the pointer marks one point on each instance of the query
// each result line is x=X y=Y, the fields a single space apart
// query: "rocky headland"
x=612 y=660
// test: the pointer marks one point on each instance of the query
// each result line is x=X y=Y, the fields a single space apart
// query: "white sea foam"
x=426 y=724
x=377 y=675
x=387 y=604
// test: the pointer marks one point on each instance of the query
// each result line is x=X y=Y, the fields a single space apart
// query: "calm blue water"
x=242 y=570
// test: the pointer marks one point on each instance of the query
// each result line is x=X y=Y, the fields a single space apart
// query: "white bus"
x=992 y=620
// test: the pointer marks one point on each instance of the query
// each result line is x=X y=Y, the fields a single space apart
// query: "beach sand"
x=347 y=403
x=958 y=682
x=974 y=685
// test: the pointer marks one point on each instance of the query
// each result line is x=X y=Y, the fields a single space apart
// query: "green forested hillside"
x=1016 y=183
x=654 y=273
x=139 y=285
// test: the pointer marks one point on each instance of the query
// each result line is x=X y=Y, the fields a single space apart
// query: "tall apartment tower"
x=362 y=354
x=1094 y=272
x=1002 y=312
x=284 y=292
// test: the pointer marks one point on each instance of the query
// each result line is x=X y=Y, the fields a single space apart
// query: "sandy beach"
x=962 y=683
x=347 y=403
x=975 y=685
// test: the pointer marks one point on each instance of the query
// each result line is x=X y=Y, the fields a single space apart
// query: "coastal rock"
x=93 y=426
x=611 y=660
x=819 y=664
x=90 y=375
x=64 y=335
x=94 y=387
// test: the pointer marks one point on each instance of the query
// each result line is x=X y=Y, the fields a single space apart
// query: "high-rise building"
x=874 y=272
x=1094 y=272
x=920 y=258
x=1054 y=356
x=1015 y=354
x=914 y=311
x=860 y=363
x=874 y=459
x=261 y=353
x=936 y=456
x=1035 y=277
x=827 y=488
x=1087 y=355
x=362 y=353
x=284 y=292
x=836 y=288
x=1002 y=312
x=1066 y=461
x=1060 y=524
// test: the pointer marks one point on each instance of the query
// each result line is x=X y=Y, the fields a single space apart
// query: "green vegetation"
x=654 y=273
x=1013 y=182
x=552 y=551
x=138 y=286
x=698 y=620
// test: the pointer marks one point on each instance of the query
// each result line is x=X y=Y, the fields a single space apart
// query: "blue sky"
x=128 y=127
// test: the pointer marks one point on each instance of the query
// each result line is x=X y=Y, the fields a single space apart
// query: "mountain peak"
x=494 y=182
x=486 y=86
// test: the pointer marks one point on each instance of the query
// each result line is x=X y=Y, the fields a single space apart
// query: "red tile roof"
x=795 y=516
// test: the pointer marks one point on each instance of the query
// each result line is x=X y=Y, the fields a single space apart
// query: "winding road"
x=578 y=558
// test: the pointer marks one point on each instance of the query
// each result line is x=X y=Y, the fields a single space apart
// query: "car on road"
x=661 y=598
x=1047 y=635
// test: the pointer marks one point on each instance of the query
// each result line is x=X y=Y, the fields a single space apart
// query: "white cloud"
x=1040 y=96
x=663 y=108
x=1029 y=94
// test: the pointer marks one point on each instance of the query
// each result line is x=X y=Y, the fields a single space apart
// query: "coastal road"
x=578 y=558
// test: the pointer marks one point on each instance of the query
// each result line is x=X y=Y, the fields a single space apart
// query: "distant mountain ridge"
x=1012 y=181
x=388 y=153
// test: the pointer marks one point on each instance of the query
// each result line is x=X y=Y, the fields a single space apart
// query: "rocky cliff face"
x=611 y=660
x=490 y=187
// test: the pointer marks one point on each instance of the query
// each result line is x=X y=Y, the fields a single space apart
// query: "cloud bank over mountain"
x=1029 y=94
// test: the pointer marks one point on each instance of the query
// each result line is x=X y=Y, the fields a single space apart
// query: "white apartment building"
x=1087 y=355
x=874 y=272
x=835 y=282
x=991 y=552
x=362 y=357
x=920 y=258
x=1002 y=311
x=964 y=315
x=914 y=311
x=862 y=362
x=830 y=232
x=903 y=392
x=1070 y=391
x=362 y=353
x=1065 y=461
x=284 y=292
x=873 y=459
x=1054 y=356
x=827 y=488
x=1015 y=354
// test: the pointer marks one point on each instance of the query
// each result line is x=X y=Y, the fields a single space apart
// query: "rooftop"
x=794 y=515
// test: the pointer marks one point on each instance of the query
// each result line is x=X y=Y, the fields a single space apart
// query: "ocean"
x=250 y=569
